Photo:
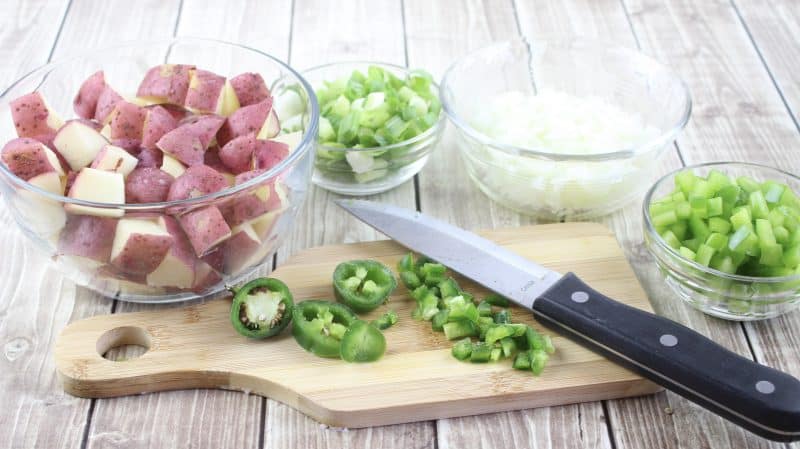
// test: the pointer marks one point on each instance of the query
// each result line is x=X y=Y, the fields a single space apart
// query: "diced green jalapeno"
x=462 y=349
x=522 y=361
x=319 y=326
x=362 y=342
x=460 y=329
x=261 y=308
x=438 y=321
x=538 y=361
x=497 y=300
x=502 y=317
x=481 y=353
x=386 y=320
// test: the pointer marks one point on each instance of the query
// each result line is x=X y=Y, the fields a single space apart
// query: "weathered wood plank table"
x=740 y=58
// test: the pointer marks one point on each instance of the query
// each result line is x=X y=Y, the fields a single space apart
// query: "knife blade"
x=756 y=397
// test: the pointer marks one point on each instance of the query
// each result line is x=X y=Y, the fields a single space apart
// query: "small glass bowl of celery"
x=726 y=237
x=379 y=123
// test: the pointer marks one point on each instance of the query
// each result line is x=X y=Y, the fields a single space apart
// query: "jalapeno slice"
x=319 y=326
x=261 y=308
x=363 y=342
x=363 y=285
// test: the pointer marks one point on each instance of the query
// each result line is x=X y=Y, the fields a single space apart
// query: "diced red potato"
x=49 y=182
x=98 y=186
x=34 y=118
x=205 y=228
x=205 y=276
x=271 y=126
x=178 y=267
x=250 y=88
x=79 y=144
x=196 y=181
x=88 y=236
x=150 y=158
x=106 y=103
x=256 y=201
x=244 y=250
x=116 y=159
x=292 y=140
x=127 y=121
x=166 y=83
x=237 y=154
x=246 y=120
x=147 y=185
x=190 y=140
x=27 y=157
x=268 y=154
x=172 y=166
x=210 y=93
x=139 y=246
x=85 y=103
x=176 y=111
x=132 y=146
x=159 y=121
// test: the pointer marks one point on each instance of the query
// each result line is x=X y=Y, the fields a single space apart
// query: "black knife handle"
x=758 y=398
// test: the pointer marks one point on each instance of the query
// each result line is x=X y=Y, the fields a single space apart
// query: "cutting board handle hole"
x=123 y=343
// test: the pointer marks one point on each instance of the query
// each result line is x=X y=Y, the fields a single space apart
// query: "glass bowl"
x=79 y=239
x=386 y=167
x=553 y=185
x=724 y=295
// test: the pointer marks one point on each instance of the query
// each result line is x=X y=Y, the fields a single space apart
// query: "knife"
x=756 y=397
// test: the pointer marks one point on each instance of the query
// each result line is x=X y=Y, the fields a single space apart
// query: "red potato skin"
x=85 y=103
x=159 y=122
x=248 y=205
x=30 y=118
x=88 y=236
x=147 y=185
x=238 y=249
x=176 y=111
x=26 y=158
x=204 y=227
x=142 y=254
x=245 y=120
x=196 y=181
x=215 y=258
x=190 y=140
x=181 y=247
x=250 y=88
x=132 y=146
x=268 y=154
x=167 y=81
x=205 y=95
x=211 y=158
x=106 y=103
x=127 y=121
x=237 y=154
x=205 y=277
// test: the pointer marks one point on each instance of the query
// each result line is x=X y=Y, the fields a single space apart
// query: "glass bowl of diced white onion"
x=563 y=129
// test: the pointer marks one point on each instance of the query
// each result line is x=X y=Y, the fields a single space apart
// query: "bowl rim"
x=654 y=143
x=650 y=228
x=305 y=145
x=419 y=137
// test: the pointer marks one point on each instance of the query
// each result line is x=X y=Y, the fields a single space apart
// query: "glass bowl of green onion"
x=379 y=123
x=726 y=237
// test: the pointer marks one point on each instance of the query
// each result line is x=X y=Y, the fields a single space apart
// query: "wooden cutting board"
x=417 y=379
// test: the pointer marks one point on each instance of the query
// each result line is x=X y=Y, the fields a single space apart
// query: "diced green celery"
x=704 y=254
x=699 y=206
x=460 y=329
x=724 y=264
x=698 y=227
x=718 y=180
x=406 y=94
x=758 y=205
x=720 y=225
x=692 y=244
x=729 y=193
x=771 y=255
x=683 y=210
x=781 y=234
x=671 y=240
x=790 y=199
x=686 y=252
x=776 y=217
x=462 y=349
x=741 y=219
x=685 y=181
x=791 y=257
x=665 y=218
x=678 y=197
x=661 y=207
x=747 y=184
x=326 y=131
x=737 y=239
x=717 y=241
x=715 y=207
x=702 y=189
x=764 y=232
x=773 y=193
x=680 y=229
x=481 y=353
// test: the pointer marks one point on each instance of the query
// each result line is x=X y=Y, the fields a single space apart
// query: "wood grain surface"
x=740 y=58
x=417 y=379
